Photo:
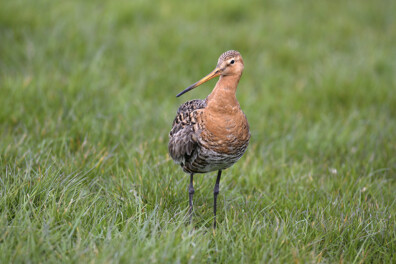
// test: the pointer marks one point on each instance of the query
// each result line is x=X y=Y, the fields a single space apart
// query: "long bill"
x=216 y=72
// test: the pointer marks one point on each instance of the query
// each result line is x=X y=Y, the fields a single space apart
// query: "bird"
x=211 y=134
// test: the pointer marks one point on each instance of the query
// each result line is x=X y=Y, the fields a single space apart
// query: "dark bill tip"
x=187 y=90
x=216 y=72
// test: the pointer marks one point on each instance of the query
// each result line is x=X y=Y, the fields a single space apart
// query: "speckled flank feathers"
x=183 y=143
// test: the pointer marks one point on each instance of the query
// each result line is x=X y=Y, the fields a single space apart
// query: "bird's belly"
x=209 y=159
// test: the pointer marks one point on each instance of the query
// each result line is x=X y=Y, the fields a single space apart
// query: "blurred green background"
x=87 y=98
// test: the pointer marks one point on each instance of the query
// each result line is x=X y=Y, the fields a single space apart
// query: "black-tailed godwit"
x=211 y=134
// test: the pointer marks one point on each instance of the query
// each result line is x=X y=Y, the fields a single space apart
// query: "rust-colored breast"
x=225 y=133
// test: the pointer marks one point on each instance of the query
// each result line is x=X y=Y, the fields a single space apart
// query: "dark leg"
x=191 y=193
x=215 y=193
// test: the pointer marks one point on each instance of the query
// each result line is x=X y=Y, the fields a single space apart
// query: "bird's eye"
x=232 y=62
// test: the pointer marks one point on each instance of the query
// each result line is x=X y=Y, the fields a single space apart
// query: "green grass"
x=87 y=97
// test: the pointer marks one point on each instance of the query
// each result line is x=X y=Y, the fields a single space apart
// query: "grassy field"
x=87 y=98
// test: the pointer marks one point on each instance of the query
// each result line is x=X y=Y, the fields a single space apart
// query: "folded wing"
x=183 y=138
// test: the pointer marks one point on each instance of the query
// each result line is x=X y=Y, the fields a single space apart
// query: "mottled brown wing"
x=184 y=135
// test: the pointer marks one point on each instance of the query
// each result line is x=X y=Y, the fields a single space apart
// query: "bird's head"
x=230 y=63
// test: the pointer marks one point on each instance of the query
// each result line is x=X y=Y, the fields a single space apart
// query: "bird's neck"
x=223 y=97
